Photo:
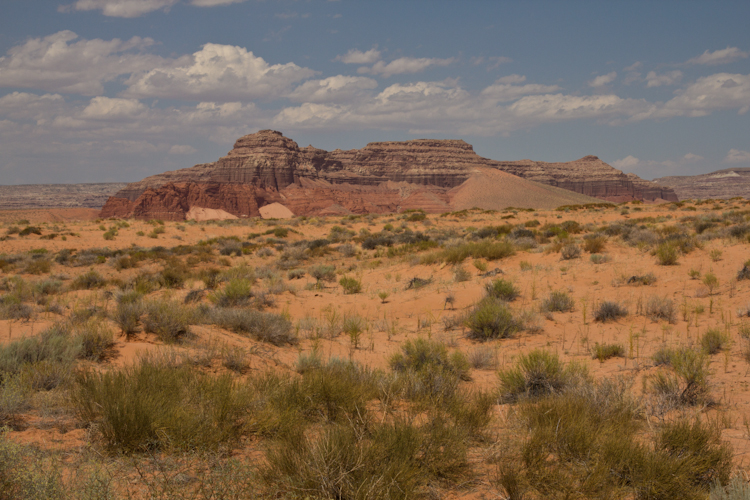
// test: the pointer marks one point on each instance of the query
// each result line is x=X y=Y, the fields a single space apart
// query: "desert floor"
x=388 y=313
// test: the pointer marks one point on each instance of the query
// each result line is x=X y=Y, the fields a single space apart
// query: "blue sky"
x=114 y=90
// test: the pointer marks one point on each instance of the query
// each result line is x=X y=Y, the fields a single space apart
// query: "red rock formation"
x=266 y=167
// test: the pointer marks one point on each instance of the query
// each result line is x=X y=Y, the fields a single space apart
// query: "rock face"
x=590 y=176
x=382 y=177
x=726 y=183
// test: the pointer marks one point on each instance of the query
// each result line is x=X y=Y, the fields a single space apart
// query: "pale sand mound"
x=200 y=214
x=493 y=189
x=275 y=211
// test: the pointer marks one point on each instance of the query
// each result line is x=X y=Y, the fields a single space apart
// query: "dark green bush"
x=558 y=301
x=502 y=289
x=491 y=319
x=609 y=311
x=537 y=374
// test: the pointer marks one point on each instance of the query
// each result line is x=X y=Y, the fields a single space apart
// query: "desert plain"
x=587 y=351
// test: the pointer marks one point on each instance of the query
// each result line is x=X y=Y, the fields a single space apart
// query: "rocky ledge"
x=727 y=183
x=267 y=167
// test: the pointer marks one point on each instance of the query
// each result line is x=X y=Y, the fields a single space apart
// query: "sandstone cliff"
x=267 y=167
x=726 y=183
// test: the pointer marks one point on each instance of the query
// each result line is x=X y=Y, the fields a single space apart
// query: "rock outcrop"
x=382 y=177
x=727 y=183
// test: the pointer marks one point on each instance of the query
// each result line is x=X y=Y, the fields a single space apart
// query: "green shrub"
x=143 y=407
x=38 y=266
x=688 y=385
x=424 y=355
x=599 y=258
x=95 y=340
x=537 y=374
x=609 y=311
x=606 y=351
x=714 y=340
x=128 y=315
x=237 y=292
x=350 y=285
x=502 y=289
x=667 y=253
x=484 y=249
x=491 y=319
x=323 y=273
x=558 y=301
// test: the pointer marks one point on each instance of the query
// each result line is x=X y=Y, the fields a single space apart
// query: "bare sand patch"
x=275 y=211
x=200 y=214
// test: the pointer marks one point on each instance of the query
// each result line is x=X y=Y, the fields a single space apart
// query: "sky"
x=115 y=90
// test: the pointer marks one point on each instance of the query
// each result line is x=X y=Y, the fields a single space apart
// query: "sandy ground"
x=407 y=314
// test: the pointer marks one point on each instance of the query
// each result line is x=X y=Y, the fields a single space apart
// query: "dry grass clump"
x=659 y=307
x=266 y=327
x=606 y=351
x=667 y=253
x=594 y=243
x=714 y=341
x=570 y=251
x=609 y=311
x=687 y=384
x=487 y=249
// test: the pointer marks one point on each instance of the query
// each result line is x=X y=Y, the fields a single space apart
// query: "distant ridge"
x=725 y=183
x=27 y=196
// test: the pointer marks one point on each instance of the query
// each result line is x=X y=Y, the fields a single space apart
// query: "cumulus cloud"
x=723 y=56
x=626 y=163
x=404 y=65
x=602 y=80
x=63 y=63
x=690 y=157
x=670 y=78
x=355 y=56
x=213 y=3
x=112 y=108
x=506 y=88
x=737 y=156
x=333 y=89
x=707 y=94
x=125 y=8
x=218 y=73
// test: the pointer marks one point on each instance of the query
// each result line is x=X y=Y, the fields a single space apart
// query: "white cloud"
x=405 y=65
x=723 y=56
x=333 y=89
x=109 y=108
x=182 y=149
x=714 y=92
x=634 y=66
x=671 y=78
x=502 y=91
x=59 y=63
x=737 y=156
x=355 y=56
x=602 y=80
x=551 y=108
x=510 y=79
x=628 y=162
x=690 y=157
x=124 y=8
x=218 y=73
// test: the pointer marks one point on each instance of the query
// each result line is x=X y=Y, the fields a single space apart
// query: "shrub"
x=88 y=281
x=594 y=244
x=350 y=285
x=483 y=358
x=660 y=307
x=688 y=386
x=423 y=355
x=266 y=327
x=502 y=289
x=128 y=316
x=236 y=293
x=30 y=230
x=599 y=258
x=323 y=273
x=460 y=274
x=95 y=341
x=667 y=253
x=38 y=266
x=606 y=351
x=491 y=319
x=170 y=321
x=484 y=249
x=558 y=301
x=570 y=251
x=143 y=407
x=713 y=341
x=609 y=311
x=537 y=374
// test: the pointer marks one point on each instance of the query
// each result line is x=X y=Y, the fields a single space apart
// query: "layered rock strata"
x=267 y=167
x=727 y=183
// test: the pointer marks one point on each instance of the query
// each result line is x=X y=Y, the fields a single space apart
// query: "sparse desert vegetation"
x=463 y=355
